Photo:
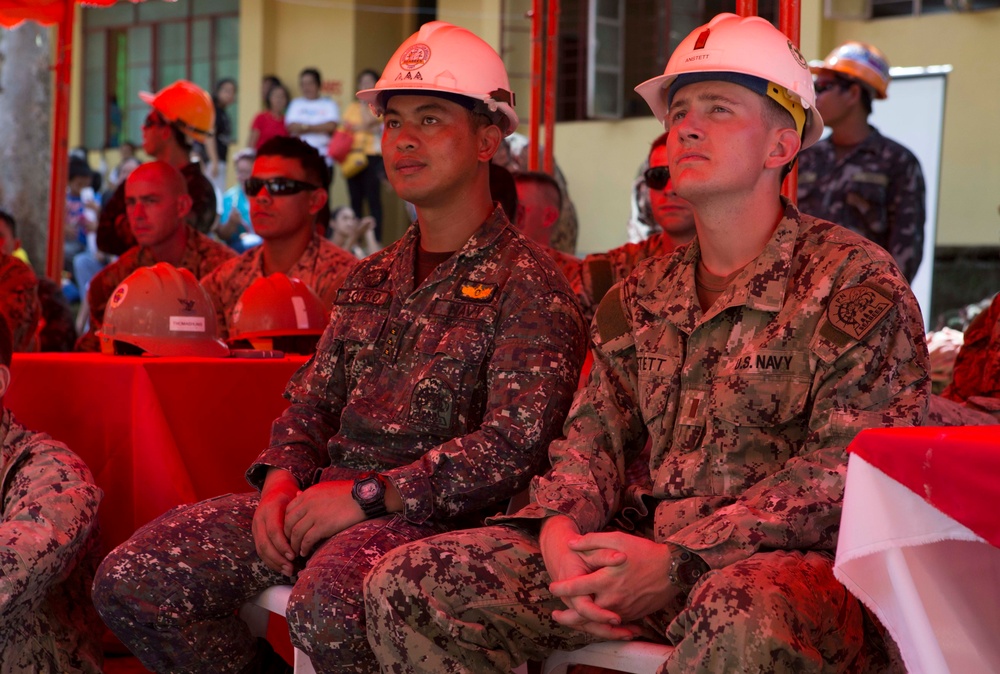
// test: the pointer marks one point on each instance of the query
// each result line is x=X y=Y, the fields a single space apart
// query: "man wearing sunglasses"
x=674 y=226
x=857 y=177
x=180 y=114
x=157 y=205
x=286 y=190
x=746 y=361
x=447 y=367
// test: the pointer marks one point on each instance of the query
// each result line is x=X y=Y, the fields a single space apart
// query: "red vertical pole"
x=60 y=150
x=537 y=15
x=746 y=7
x=552 y=36
x=790 y=23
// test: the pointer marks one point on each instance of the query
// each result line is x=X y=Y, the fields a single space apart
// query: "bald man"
x=157 y=203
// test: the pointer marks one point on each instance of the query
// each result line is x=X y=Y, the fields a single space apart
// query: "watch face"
x=368 y=489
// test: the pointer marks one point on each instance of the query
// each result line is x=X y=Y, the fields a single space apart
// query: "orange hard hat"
x=277 y=306
x=858 y=61
x=186 y=105
x=163 y=311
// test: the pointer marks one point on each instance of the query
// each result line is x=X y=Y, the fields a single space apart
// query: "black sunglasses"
x=831 y=84
x=657 y=177
x=277 y=187
x=153 y=120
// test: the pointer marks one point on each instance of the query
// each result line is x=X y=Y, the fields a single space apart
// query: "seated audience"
x=157 y=204
x=747 y=361
x=286 y=190
x=447 y=367
x=19 y=304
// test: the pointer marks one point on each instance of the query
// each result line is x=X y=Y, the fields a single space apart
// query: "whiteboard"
x=913 y=115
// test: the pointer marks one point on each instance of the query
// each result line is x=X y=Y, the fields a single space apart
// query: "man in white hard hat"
x=448 y=366
x=748 y=360
x=857 y=177
x=181 y=114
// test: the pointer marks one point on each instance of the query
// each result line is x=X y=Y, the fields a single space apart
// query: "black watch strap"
x=369 y=493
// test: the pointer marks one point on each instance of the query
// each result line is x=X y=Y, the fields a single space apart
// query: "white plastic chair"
x=257 y=612
x=636 y=657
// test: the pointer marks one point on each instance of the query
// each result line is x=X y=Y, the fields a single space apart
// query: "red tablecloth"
x=156 y=432
x=955 y=469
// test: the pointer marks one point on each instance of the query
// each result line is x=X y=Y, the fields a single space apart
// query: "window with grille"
x=128 y=48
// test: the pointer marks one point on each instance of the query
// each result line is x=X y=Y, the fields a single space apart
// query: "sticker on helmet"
x=186 y=304
x=120 y=292
x=797 y=55
x=187 y=324
x=415 y=57
x=301 y=315
x=702 y=39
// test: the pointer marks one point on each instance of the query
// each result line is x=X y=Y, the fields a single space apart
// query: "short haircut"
x=6 y=216
x=777 y=117
x=368 y=71
x=296 y=148
x=312 y=72
x=181 y=138
x=541 y=178
x=504 y=190
x=163 y=173
x=79 y=168
x=6 y=342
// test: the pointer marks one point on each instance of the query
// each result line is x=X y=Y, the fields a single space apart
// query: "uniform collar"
x=761 y=285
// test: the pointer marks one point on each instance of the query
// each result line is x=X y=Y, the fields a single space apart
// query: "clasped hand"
x=607 y=580
x=289 y=523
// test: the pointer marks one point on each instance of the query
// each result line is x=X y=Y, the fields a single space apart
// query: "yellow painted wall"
x=970 y=162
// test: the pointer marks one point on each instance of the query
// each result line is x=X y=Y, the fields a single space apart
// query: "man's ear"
x=184 y=204
x=4 y=380
x=490 y=137
x=317 y=199
x=785 y=148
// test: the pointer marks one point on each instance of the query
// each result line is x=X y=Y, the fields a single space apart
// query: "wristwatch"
x=686 y=568
x=369 y=492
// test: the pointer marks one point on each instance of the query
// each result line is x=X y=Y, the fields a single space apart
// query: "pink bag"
x=340 y=145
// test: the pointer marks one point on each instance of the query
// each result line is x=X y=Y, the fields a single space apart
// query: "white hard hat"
x=445 y=59
x=748 y=51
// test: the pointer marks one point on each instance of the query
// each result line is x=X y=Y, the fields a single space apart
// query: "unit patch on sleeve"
x=855 y=311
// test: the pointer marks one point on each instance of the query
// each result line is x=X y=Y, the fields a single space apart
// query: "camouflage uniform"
x=114 y=234
x=452 y=390
x=603 y=270
x=19 y=303
x=748 y=410
x=976 y=376
x=48 y=553
x=201 y=255
x=322 y=266
x=876 y=190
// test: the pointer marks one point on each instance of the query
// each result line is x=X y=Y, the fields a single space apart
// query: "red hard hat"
x=277 y=306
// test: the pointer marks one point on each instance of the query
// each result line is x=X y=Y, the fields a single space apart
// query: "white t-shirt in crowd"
x=313 y=111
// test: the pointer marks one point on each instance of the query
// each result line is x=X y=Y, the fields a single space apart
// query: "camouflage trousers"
x=171 y=592
x=478 y=601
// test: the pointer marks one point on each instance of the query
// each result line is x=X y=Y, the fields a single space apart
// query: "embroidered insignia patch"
x=855 y=311
x=480 y=292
